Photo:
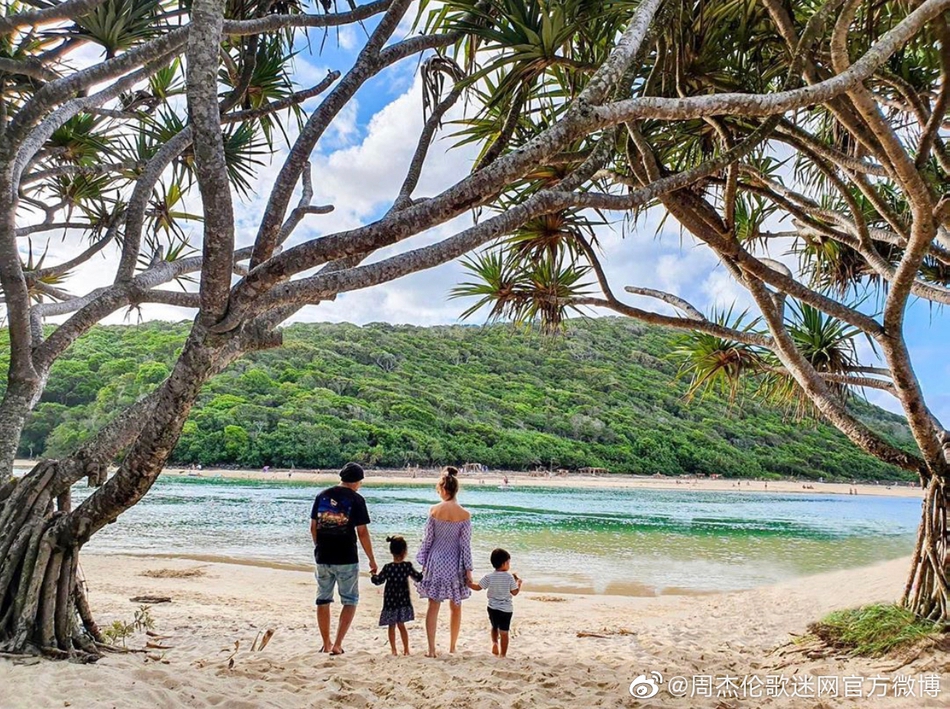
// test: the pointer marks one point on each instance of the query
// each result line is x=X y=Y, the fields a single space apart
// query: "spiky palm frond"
x=552 y=236
x=165 y=212
x=833 y=267
x=167 y=81
x=169 y=246
x=540 y=292
x=827 y=343
x=78 y=142
x=717 y=364
x=243 y=153
x=498 y=280
x=552 y=284
x=270 y=80
x=117 y=25
x=82 y=189
x=37 y=292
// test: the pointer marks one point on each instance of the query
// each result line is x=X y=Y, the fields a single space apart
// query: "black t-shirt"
x=338 y=511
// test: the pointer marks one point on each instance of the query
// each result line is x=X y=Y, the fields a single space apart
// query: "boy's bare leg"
x=504 y=642
x=455 y=624
x=494 y=641
x=432 y=621
x=323 y=622
x=392 y=639
x=346 y=619
x=404 y=634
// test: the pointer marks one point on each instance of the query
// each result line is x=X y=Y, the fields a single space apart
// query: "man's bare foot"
x=393 y=652
x=337 y=650
x=430 y=654
x=494 y=649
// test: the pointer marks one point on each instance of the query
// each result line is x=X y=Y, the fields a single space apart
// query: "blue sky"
x=359 y=166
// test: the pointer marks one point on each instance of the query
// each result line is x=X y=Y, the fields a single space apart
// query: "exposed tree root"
x=43 y=608
x=927 y=591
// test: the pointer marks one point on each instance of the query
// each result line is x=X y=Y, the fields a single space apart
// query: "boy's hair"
x=499 y=557
x=397 y=545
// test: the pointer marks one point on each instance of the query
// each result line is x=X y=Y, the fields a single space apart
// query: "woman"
x=446 y=555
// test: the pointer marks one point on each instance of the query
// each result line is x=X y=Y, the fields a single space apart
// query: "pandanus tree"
x=578 y=106
x=703 y=126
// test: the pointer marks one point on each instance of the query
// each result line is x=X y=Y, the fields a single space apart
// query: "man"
x=338 y=518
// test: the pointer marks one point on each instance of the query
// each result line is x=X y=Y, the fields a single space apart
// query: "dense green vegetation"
x=603 y=394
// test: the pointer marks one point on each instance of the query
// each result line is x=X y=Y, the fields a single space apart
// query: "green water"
x=583 y=540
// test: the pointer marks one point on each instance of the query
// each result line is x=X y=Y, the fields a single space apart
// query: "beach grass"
x=875 y=630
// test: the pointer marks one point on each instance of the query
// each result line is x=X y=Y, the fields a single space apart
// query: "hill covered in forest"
x=604 y=394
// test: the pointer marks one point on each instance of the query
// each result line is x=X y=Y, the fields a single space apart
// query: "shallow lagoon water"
x=639 y=542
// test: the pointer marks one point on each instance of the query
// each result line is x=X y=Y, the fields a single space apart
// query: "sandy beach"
x=523 y=479
x=566 y=650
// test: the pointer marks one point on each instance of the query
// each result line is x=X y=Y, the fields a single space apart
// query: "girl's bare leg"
x=432 y=621
x=504 y=642
x=392 y=639
x=404 y=634
x=455 y=625
x=494 y=641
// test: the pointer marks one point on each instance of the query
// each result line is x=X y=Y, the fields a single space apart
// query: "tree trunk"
x=42 y=605
x=43 y=608
x=927 y=592
x=14 y=408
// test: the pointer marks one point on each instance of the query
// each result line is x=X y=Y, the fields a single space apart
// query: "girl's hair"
x=449 y=482
x=397 y=545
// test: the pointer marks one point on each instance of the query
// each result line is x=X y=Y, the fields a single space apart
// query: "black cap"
x=352 y=473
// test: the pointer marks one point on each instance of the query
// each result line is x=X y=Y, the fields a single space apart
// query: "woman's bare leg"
x=392 y=639
x=455 y=625
x=432 y=621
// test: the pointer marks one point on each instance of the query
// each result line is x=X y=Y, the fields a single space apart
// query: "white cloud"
x=723 y=292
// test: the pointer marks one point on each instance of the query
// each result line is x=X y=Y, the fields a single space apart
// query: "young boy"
x=501 y=586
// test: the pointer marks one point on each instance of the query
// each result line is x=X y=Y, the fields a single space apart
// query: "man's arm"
x=363 y=533
x=313 y=531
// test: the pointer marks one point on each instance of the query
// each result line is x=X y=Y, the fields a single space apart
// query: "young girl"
x=397 y=606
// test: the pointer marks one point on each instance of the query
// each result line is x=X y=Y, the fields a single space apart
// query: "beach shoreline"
x=566 y=650
x=528 y=479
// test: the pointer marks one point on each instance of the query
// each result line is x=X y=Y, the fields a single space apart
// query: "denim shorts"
x=346 y=577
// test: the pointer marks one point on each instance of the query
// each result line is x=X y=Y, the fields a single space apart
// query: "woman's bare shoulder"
x=445 y=512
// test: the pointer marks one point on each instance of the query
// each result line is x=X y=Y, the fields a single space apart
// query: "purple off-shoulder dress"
x=446 y=554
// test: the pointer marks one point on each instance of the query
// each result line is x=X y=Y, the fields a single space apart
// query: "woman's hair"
x=449 y=482
x=397 y=545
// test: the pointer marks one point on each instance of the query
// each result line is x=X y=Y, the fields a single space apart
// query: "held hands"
x=373 y=569
x=518 y=579
x=470 y=583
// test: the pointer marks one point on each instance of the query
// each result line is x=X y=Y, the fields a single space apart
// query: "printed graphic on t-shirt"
x=333 y=516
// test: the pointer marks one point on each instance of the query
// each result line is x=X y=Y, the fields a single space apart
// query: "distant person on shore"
x=446 y=555
x=502 y=586
x=397 y=603
x=339 y=516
